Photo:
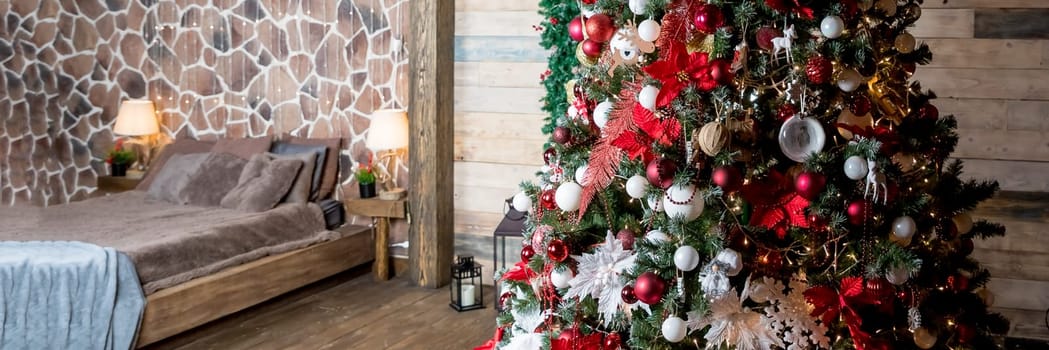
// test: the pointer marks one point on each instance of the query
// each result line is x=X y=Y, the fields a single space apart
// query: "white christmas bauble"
x=638 y=6
x=522 y=202
x=636 y=186
x=601 y=112
x=898 y=275
x=674 y=329
x=686 y=258
x=648 y=30
x=656 y=236
x=832 y=27
x=964 y=223
x=923 y=338
x=656 y=203
x=682 y=201
x=561 y=277
x=647 y=97
x=856 y=167
x=731 y=260
x=903 y=227
x=905 y=43
x=849 y=80
x=886 y=6
x=580 y=174
x=567 y=196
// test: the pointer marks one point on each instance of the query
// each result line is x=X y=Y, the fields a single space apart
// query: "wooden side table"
x=381 y=211
x=115 y=184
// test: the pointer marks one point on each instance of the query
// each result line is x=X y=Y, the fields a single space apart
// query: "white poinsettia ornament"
x=524 y=335
x=599 y=276
x=734 y=325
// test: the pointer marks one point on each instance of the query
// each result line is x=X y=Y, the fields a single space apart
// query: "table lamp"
x=138 y=118
x=387 y=137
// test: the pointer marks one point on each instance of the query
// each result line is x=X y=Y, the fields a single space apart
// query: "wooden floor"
x=347 y=311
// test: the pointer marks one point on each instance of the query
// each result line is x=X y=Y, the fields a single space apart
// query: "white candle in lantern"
x=468 y=294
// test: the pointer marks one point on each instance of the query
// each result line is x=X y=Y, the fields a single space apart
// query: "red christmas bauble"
x=575 y=29
x=600 y=28
x=649 y=288
x=660 y=172
x=810 y=184
x=765 y=35
x=966 y=246
x=879 y=288
x=626 y=237
x=504 y=299
x=562 y=135
x=720 y=71
x=958 y=283
x=547 y=199
x=819 y=70
x=612 y=342
x=556 y=250
x=786 y=111
x=570 y=334
x=860 y=105
x=728 y=178
x=708 y=18
x=857 y=212
x=527 y=253
x=966 y=333
x=929 y=112
x=549 y=155
x=592 y=48
x=628 y=295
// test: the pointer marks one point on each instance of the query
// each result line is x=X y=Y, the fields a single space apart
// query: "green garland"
x=562 y=60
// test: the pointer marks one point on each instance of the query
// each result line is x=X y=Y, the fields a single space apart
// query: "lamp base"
x=394 y=194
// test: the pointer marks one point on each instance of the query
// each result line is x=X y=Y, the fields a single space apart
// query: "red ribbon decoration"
x=828 y=304
x=520 y=273
x=775 y=204
x=890 y=140
x=491 y=343
x=788 y=6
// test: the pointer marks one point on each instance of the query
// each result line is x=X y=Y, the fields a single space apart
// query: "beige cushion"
x=175 y=176
x=179 y=146
x=217 y=175
x=262 y=184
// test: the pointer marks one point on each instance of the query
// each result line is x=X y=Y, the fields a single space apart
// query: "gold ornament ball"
x=888 y=7
x=905 y=43
x=570 y=88
x=911 y=13
x=923 y=338
x=712 y=138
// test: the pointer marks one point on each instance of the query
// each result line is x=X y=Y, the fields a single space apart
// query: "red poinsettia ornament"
x=788 y=6
x=776 y=206
x=828 y=304
x=680 y=69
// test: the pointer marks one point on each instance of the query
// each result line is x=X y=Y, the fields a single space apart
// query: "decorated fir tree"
x=745 y=174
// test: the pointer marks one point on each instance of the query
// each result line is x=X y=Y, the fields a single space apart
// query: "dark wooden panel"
x=430 y=109
x=1011 y=24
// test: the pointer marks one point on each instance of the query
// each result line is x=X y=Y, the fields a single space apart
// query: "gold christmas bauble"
x=923 y=338
x=711 y=138
x=570 y=90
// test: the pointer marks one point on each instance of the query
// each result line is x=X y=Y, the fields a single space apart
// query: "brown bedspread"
x=168 y=243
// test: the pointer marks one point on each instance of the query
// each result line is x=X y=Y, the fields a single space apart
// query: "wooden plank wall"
x=991 y=70
x=498 y=121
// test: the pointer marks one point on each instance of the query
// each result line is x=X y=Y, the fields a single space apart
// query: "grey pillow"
x=216 y=176
x=174 y=177
x=286 y=147
x=262 y=184
x=300 y=188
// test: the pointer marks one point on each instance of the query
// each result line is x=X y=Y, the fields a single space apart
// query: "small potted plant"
x=366 y=179
x=120 y=159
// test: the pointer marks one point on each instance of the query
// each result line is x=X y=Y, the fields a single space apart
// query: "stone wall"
x=215 y=68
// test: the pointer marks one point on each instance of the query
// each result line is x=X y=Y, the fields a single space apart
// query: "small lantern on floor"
x=466 y=285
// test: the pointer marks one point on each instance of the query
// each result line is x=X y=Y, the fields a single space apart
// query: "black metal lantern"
x=466 y=288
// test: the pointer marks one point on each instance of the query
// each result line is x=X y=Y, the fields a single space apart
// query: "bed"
x=195 y=262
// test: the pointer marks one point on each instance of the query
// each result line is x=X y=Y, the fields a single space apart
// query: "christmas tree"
x=745 y=174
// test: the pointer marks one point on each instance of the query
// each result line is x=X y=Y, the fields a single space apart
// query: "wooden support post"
x=382 y=241
x=430 y=56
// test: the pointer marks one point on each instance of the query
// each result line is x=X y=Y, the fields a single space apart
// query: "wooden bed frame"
x=177 y=309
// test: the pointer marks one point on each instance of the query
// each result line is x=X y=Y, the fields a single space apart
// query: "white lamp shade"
x=388 y=130
x=136 y=118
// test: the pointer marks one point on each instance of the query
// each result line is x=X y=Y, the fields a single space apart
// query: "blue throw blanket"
x=67 y=295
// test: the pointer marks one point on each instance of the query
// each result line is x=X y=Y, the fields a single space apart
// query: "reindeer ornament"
x=784 y=43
